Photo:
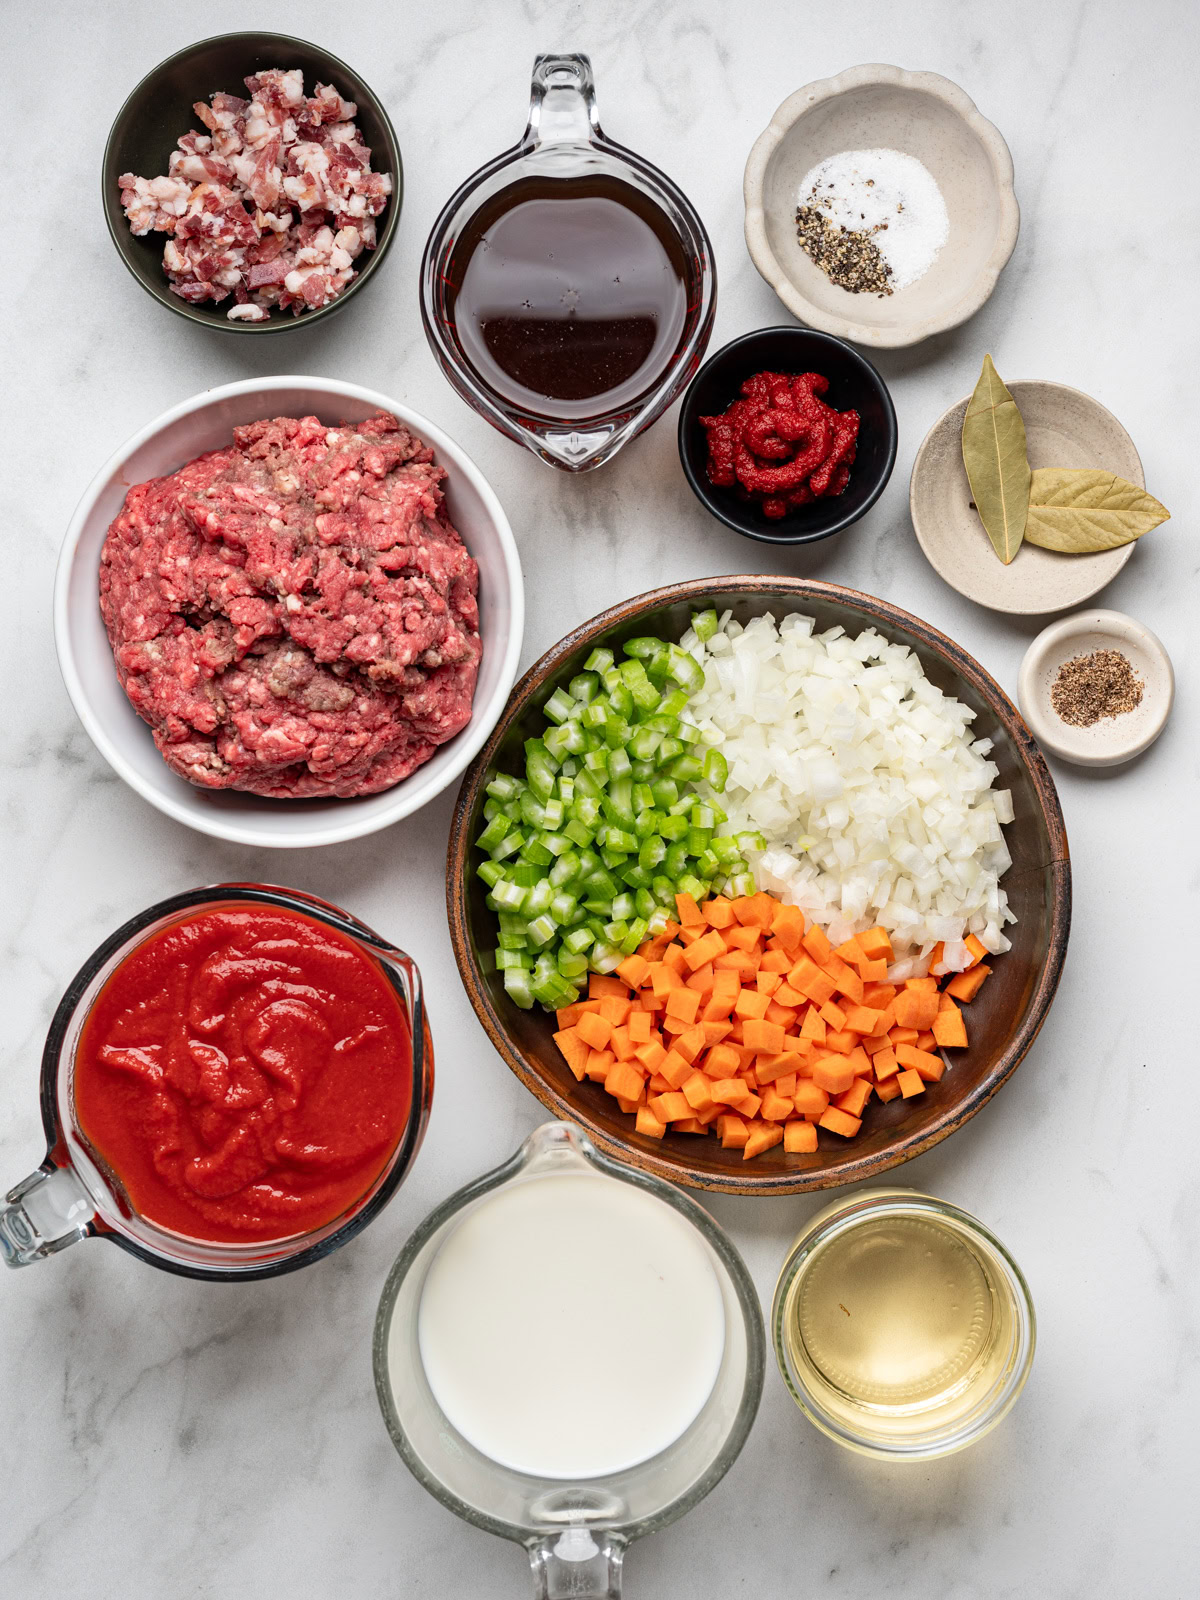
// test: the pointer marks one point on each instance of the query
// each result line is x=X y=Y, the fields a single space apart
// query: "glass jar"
x=74 y=1195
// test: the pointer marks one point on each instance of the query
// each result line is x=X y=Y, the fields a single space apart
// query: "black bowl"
x=854 y=384
x=160 y=109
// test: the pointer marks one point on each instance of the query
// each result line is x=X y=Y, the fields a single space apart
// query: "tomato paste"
x=780 y=444
x=246 y=1073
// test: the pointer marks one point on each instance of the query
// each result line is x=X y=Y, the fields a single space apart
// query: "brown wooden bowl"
x=1004 y=1020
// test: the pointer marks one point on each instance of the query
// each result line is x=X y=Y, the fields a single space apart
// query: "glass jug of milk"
x=569 y=1354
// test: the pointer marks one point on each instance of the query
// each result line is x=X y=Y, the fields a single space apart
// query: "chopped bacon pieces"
x=272 y=205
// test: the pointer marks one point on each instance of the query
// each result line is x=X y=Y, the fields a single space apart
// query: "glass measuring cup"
x=574 y=1532
x=563 y=140
x=987 y=1343
x=75 y=1195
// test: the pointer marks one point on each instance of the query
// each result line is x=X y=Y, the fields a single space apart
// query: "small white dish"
x=923 y=115
x=1112 y=740
x=206 y=422
x=1063 y=428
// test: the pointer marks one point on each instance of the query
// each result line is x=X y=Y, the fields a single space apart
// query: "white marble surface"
x=160 y=1437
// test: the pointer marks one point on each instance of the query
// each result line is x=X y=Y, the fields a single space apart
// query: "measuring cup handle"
x=562 y=102
x=577 y=1564
x=42 y=1215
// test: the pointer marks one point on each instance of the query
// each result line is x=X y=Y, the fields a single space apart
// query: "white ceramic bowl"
x=926 y=116
x=205 y=422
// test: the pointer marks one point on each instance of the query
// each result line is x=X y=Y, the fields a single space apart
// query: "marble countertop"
x=159 y=1436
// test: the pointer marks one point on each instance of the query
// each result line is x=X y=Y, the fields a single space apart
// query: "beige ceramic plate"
x=923 y=115
x=1112 y=740
x=1063 y=428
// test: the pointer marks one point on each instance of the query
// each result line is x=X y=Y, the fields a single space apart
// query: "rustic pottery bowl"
x=160 y=109
x=1004 y=1020
x=854 y=385
x=925 y=116
x=206 y=422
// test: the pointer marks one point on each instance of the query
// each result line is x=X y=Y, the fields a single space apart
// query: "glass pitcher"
x=564 y=141
x=575 y=1532
x=74 y=1195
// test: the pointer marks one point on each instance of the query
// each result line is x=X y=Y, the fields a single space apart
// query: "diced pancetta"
x=272 y=205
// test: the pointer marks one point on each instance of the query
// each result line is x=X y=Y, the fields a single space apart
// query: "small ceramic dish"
x=206 y=422
x=924 y=116
x=854 y=384
x=1112 y=740
x=150 y=122
x=1063 y=428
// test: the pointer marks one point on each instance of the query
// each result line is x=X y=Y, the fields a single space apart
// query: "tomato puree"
x=246 y=1073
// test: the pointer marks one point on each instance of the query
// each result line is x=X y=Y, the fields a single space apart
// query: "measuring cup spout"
x=43 y=1215
x=577 y=1564
x=562 y=103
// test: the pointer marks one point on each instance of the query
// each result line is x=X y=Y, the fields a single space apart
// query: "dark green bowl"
x=160 y=109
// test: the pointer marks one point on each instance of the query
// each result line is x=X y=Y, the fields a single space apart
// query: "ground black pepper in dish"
x=1089 y=688
x=848 y=258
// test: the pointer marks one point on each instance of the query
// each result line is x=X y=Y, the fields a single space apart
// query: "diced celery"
x=704 y=625
x=509 y=896
x=518 y=989
x=559 y=706
x=508 y=846
x=600 y=660
x=491 y=872
x=495 y=832
x=513 y=960
x=503 y=786
x=716 y=770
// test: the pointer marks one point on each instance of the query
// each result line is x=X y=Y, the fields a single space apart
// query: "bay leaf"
x=1079 y=510
x=993 y=447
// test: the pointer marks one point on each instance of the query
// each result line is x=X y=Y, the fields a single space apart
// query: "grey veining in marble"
x=164 y=1438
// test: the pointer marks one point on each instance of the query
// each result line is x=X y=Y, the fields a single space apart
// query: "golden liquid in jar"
x=898 y=1327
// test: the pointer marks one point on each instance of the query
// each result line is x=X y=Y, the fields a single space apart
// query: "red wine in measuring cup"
x=569 y=296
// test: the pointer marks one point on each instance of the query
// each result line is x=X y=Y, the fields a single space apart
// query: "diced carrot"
x=810 y=980
x=595 y=1031
x=747 y=938
x=756 y=910
x=625 y=1080
x=663 y=979
x=769 y=1068
x=733 y=1131
x=976 y=948
x=762 y=1137
x=657 y=1084
x=810 y=1098
x=705 y=949
x=765 y=1036
x=785 y=995
x=633 y=971
x=692 y=1125
x=599 y=1062
x=622 y=1045
x=855 y=1098
x=885 y=1064
x=785 y=1016
x=752 y=1003
x=697 y=1090
x=776 y=962
x=873 y=971
x=926 y=1039
x=801 y=1047
x=766 y=981
x=845 y=980
x=832 y=1075
x=776 y=1107
x=615 y=1008
x=817 y=945
x=701 y=980
x=937 y=958
x=689 y=935
x=568 y=1016
x=949 y=1029
x=862 y=1019
x=671 y=1106
x=966 y=985
x=927 y=1066
x=718 y=912
x=574 y=1050
x=922 y=985
x=648 y=1124
x=813 y=1026
x=683 y=1003
x=786 y=1085
x=675 y=957
x=714 y=1032
x=841 y=1122
x=722 y=1061
x=903 y=1035
x=876 y=944
x=736 y=961
x=639 y=1026
x=910 y=1083
x=729 y=1091
x=880 y=994
x=690 y=915
x=627 y=1106
x=787 y=925
x=859 y=1062
x=676 y=1069
x=651 y=1054
x=874 y=1042
x=833 y=1014
x=840 y=1040
x=889 y=1089
x=799 y=1138
x=602 y=983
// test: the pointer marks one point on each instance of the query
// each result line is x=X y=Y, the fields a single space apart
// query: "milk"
x=571 y=1326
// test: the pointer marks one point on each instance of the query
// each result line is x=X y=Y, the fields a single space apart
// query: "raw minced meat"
x=294 y=615
x=273 y=205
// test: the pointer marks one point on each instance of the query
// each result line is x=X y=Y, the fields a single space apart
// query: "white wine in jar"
x=901 y=1325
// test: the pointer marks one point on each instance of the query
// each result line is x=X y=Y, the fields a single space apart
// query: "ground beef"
x=272 y=205
x=294 y=615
